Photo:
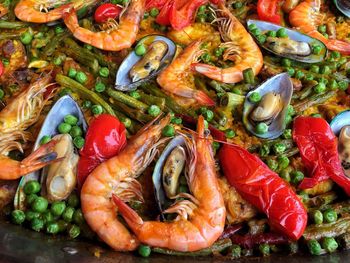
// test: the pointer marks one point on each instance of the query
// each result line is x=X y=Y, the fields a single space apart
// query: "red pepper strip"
x=2 y=69
x=106 y=11
x=264 y=189
x=230 y=231
x=105 y=137
x=163 y=16
x=318 y=148
x=191 y=122
x=270 y=10
x=250 y=241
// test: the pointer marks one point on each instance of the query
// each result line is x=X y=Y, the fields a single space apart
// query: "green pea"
x=206 y=124
x=323 y=80
x=168 y=131
x=264 y=249
x=290 y=71
x=79 y=142
x=261 y=128
x=343 y=85
x=309 y=76
x=71 y=119
x=88 y=47
x=201 y=18
x=314 y=247
x=315 y=69
x=57 y=208
x=48 y=217
x=37 y=224
x=272 y=164
x=283 y=162
x=322 y=28
x=325 y=35
x=87 y=104
x=290 y=110
x=30 y=215
x=52 y=228
x=219 y=51
x=279 y=148
x=76 y=131
x=73 y=231
x=318 y=217
x=175 y=120
x=237 y=91
x=297 y=177
x=154 y=110
x=285 y=175
x=216 y=146
x=330 y=215
x=73 y=200
x=255 y=97
x=286 y=62
x=264 y=150
x=202 y=9
x=230 y=133
x=261 y=39
x=335 y=54
x=57 y=61
x=154 y=12
x=2 y=94
x=303 y=196
x=206 y=57
x=127 y=122
x=81 y=77
x=271 y=33
x=96 y=109
x=144 y=251
x=40 y=204
x=252 y=27
x=325 y=70
x=45 y=139
x=209 y=115
x=72 y=73
x=145 y=15
x=140 y=49
x=17 y=217
x=282 y=32
x=135 y=94
x=299 y=74
x=256 y=32
x=237 y=5
x=329 y=244
x=58 y=30
x=26 y=38
x=64 y=128
x=64 y=91
x=100 y=87
x=104 y=72
x=332 y=84
x=288 y=119
x=287 y=134
x=68 y=214
x=32 y=187
x=235 y=251
x=78 y=216
x=30 y=198
x=319 y=88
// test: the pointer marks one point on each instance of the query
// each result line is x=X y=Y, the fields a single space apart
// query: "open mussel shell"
x=283 y=87
x=159 y=191
x=340 y=121
x=343 y=6
x=293 y=35
x=123 y=80
x=64 y=106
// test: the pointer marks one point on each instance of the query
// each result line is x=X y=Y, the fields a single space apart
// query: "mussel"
x=343 y=6
x=135 y=70
x=64 y=106
x=296 y=46
x=275 y=94
x=167 y=171
x=341 y=127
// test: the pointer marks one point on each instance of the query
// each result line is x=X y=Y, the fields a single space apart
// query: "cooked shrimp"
x=25 y=108
x=117 y=175
x=175 y=78
x=38 y=11
x=3 y=10
x=201 y=219
x=306 y=17
x=11 y=141
x=12 y=169
x=239 y=48
x=116 y=36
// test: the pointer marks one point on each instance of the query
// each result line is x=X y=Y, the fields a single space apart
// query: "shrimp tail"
x=204 y=99
x=338 y=45
x=130 y=216
x=216 y=73
x=41 y=157
x=70 y=18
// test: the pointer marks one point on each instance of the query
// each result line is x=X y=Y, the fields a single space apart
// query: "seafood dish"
x=200 y=128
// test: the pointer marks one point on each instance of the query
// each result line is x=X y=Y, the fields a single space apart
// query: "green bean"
x=216 y=86
x=313 y=100
x=327 y=230
x=84 y=92
x=53 y=44
x=322 y=199
x=152 y=100
x=217 y=247
x=10 y=35
x=132 y=113
x=291 y=152
x=220 y=117
x=200 y=84
x=126 y=99
x=132 y=128
x=12 y=25
x=248 y=76
x=231 y=100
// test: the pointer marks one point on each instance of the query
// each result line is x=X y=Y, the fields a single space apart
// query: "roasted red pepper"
x=318 y=148
x=250 y=241
x=270 y=10
x=264 y=189
x=105 y=137
x=106 y=11
x=2 y=69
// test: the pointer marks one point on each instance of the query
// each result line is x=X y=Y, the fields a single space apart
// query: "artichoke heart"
x=268 y=108
x=61 y=176
x=172 y=170
x=288 y=46
x=344 y=149
x=150 y=62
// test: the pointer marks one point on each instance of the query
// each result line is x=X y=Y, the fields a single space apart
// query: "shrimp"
x=12 y=169
x=116 y=36
x=25 y=108
x=201 y=219
x=37 y=11
x=10 y=141
x=3 y=10
x=117 y=175
x=239 y=48
x=306 y=17
x=175 y=78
